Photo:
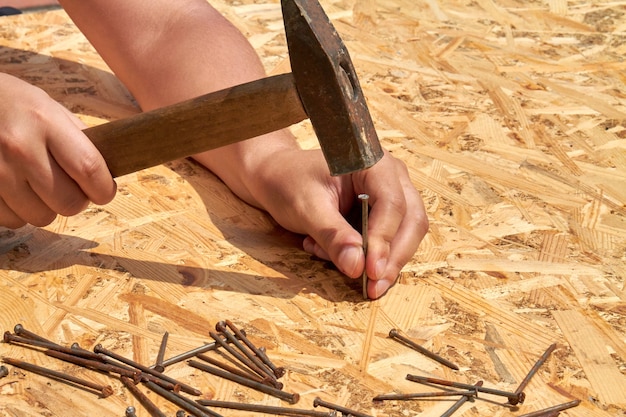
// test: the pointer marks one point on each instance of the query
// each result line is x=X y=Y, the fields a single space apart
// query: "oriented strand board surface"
x=511 y=118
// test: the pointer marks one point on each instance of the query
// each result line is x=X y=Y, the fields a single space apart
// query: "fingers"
x=397 y=223
x=79 y=159
x=25 y=206
x=8 y=218
x=55 y=189
x=334 y=239
x=402 y=247
x=47 y=165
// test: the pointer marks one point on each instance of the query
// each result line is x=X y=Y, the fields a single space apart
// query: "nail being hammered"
x=364 y=198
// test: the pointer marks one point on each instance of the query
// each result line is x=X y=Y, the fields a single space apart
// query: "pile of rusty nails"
x=469 y=392
x=252 y=368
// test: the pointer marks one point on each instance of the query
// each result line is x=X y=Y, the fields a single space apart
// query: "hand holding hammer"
x=245 y=110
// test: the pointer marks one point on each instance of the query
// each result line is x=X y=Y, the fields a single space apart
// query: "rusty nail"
x=150 y=407
x=553 y=409
x=186 y=404
x=278 y=371
x=242 y=358
x=158 y=366
x=93 y=364
x=343 y=410
x=460 y=402
x=513 y=398
x=20 y=330
x=238 y=371
x=104 y=390
x=260 y=365
x=191 y=353
x=382 y=397
x=139 y=376
x=286 y=396
x=535 y=368
x=14 y=338
x=75 y=349
x=267 y=409
x=394 y=334
x=184 y=387
x=364 y=198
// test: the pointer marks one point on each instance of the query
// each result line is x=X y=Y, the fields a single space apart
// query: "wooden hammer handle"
x=200 y=124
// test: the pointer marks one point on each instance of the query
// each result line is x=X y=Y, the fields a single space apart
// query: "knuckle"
x=397 y=203
x=422 y=223
x=14 y=146
x=90 y=165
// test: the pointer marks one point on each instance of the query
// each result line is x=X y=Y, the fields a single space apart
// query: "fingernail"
x=308 y=245
x=349 y=259
x=381 y=267
x=380 y=287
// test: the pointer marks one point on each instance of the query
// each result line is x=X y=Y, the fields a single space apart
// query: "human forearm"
x=173 y=51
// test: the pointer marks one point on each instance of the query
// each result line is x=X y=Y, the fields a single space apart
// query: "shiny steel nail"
x=513 y=398
x=364 y=198
x=130 y=411
x=460 y=402
x=267 y=409
x=535 y=368
x=286 y=396
x=150 y=407
x=343 y=410
x=394 y=334
x=554 y=409
x=104 y=390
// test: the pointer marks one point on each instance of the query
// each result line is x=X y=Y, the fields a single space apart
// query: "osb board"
x=510 y=116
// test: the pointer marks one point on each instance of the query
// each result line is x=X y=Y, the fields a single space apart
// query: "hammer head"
x=329 y=88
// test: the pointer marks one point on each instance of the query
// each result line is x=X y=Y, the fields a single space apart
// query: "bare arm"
x=170 y=51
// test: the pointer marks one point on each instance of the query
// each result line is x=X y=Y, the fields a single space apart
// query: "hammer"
x=322 y=86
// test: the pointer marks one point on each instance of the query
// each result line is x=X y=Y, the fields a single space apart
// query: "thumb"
x=335 y=239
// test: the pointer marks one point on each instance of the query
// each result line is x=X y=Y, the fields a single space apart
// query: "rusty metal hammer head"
x=329 y=88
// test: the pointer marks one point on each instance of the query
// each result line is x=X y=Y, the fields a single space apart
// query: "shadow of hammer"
x=322 y=86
